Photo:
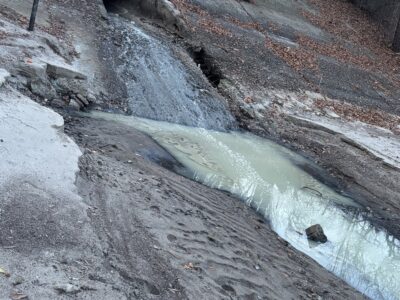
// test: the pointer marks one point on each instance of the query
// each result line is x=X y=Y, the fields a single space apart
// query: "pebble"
x=18 y=280
x=67 y=288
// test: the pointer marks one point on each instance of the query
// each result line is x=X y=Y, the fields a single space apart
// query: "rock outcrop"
x=387 y=12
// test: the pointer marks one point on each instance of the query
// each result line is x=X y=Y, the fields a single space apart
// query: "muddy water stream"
x=268 y=177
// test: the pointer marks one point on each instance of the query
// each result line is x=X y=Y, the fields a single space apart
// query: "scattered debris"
x=206 y=21
x=297 y=58
x=366 y=115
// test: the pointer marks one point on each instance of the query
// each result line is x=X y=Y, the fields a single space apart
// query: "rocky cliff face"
x=388 y=13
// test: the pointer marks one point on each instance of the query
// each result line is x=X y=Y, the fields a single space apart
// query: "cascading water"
x=160 y=87
x=268 y=178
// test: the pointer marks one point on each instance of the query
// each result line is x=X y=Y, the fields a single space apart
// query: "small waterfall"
x=160 y=87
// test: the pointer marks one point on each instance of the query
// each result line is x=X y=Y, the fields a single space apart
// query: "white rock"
x=34 y=146
x=331 y=114
x=3 y=76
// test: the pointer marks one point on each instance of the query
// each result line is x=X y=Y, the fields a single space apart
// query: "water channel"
x=269 y=178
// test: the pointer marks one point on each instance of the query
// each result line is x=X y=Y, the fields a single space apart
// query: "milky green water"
x=267 y=177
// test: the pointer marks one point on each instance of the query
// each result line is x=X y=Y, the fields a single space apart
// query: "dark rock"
x=316 y=233
x=58 y=103
x=171 y=237
x=82 y=99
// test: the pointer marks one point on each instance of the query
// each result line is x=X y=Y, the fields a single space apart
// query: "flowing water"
x=159 y=86
x=268 y=177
